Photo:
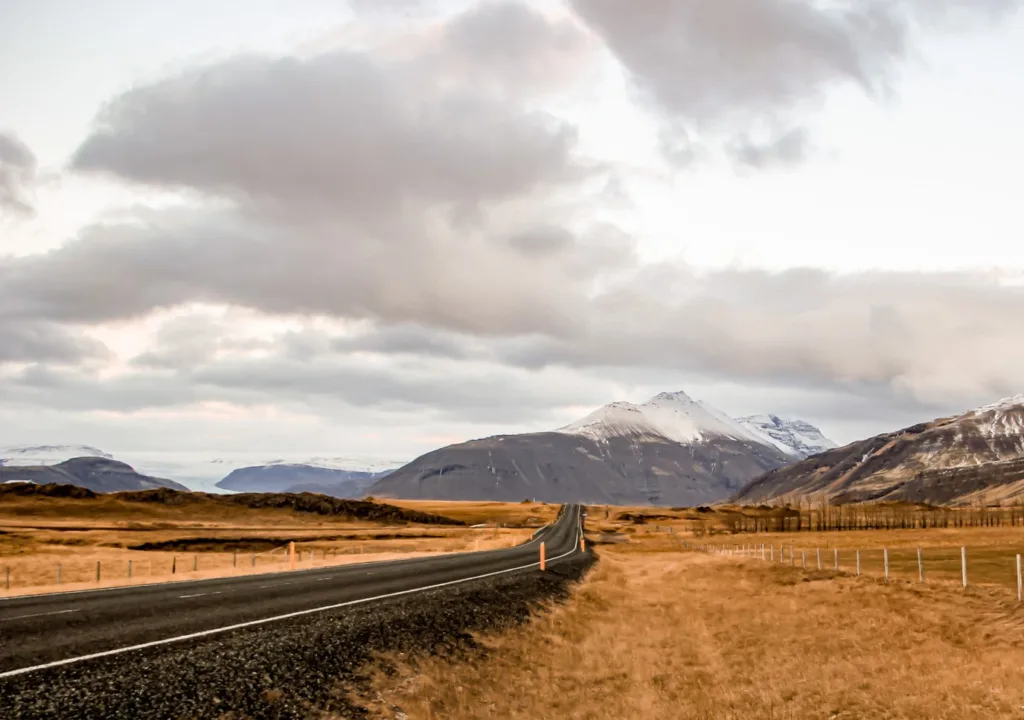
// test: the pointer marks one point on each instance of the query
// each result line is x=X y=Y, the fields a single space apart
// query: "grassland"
x=44 y=538
x=659 y=631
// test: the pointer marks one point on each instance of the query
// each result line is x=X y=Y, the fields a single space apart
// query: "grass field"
x=46 y=538
x=656 y=631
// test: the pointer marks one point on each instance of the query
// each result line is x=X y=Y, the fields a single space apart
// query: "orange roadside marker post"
x=542 y=558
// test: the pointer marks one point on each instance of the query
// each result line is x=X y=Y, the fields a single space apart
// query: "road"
x=50 y=631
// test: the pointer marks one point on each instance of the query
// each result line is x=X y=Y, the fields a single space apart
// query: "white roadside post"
x=920 y=567
x=803 y=558
x=836 y=553
x=963 y=564
x=885 y=557
x=858 y=562
x=818 y=550
x=1020 y=582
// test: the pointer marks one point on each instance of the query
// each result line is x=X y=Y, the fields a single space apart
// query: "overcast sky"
x=374 y=228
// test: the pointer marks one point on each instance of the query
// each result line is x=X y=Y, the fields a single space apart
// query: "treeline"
x=825 y=518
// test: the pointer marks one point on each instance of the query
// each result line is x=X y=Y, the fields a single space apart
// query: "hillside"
x=99 y=474
x=671 y=450
x=796 y=437
x=978 y=455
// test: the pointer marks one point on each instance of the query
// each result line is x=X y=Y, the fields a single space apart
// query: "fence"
x=150 y=566
x=990 y=566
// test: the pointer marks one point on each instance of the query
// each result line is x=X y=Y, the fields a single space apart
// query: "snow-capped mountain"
x=796 y=437
x=47 y=454
x=978 y=455
x=670 y=450
x=674 y=416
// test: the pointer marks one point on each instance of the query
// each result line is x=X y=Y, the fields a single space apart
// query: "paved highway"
x=50 y=631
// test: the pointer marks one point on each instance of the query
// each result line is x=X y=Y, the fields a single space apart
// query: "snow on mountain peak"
x=47 y=454
x=796 y=437
x=670 y=415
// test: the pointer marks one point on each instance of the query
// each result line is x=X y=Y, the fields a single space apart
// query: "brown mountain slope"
x=975 y=456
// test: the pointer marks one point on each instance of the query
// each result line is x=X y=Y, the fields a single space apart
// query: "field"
x=659 y=631
x=47 y=540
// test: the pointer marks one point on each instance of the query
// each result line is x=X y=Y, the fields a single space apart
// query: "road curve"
x=47 y=631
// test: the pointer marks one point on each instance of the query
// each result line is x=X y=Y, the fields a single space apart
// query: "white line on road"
x=219 y=592
x=263 y=621
x=22 y=617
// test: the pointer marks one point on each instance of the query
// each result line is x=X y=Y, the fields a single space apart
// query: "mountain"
x=978 y=455
x=47 y=454
x=795 y=437
x=99 y=474
x=299 y=477
x=671 y=450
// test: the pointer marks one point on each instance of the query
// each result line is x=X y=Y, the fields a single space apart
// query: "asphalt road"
x=40 y=633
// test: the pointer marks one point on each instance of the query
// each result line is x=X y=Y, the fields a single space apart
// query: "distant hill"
x=99 y=474
x=194 y=502
x=298 y=477
x=671 y=450
x=978 y=455
x=47 y=454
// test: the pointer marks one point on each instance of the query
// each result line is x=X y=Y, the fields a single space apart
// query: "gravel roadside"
x=288 y=669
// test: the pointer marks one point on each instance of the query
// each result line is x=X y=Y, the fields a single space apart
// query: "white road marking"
x=219 y=592
x=22 y=617
x=263 y=621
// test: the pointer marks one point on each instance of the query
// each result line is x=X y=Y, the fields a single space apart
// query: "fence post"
x=97 y=571
x=920 y=567
x=885 y=557
x=1020 y=582
x=252 y=560
x=792 y=557
x=803 y=558
x=836 y=553
x=858 y=562
x=195 y=563
x=818 y=550
x=771 y=553
x=129 y=569
x=174 y=564
x=234 y=559
x=963 y=564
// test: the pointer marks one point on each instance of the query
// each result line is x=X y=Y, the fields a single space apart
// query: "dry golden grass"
x=40 y=534
x=655 y=632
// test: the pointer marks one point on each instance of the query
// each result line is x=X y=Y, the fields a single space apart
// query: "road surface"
x=39 y=633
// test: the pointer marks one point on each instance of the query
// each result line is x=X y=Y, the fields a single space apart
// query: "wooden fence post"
x=885 y=557
x=97 y=571
x=963 y=564
x=234 y=559
x=792 y=557
x=803 y=558
x=835 y=552
x=771 y=552
x=129 y=569
x=195 y=563
x=858 y=562
x=174 y=564
x=818 y=550
x=920 y=567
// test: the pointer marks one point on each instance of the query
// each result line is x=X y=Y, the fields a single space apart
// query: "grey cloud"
x=790 y=148
x=24 y=341
x=722 y=69
x=341 y=133
x=18 y=169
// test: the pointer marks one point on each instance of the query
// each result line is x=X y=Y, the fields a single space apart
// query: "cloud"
x=18 y=169
x=722 y=70
x=788 y=149
x=30 y=342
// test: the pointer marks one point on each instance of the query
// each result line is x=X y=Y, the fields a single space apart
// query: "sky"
x=377 y=227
